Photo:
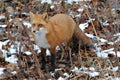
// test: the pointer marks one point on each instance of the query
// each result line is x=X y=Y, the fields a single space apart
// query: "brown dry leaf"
x=3 y=63
x=11 y=66
x=92 y=54
x=2 y=76
x=68 y=70
x=101 y=35
x=10 y=9
x=82 y=77
x=106 y=46
x=22 y=64
x=101 y=79
x=3 y=47
x=89 y=29
x=93 y=2
x=61 y=65
x=1 y=54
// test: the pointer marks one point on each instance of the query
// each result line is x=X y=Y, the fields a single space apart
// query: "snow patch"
x=12 y=50
x=1 y=70
x=2 y=17
x=48 y=52
x=80 y=9
x=14 y=72
x=83 y=68
x=91 y=19
x=102 y=40
x=93 y=74
x=57 y=48
x=36 y=47
x=82 y=26
x=71 y=1
x=3 y=26
x=78 y=15
x=46 y=1
x=75 y=69
x=12 y=59
x=118 y=34
x=105 y=23
x=101 y=54
x=60 y=78
x=114 y=69
x=52 y=7
x=108 y=50
x=27 y=24
x=66 y=75
x=3 y=43
x=92 y=69
x=28 y=53
x=89 y=35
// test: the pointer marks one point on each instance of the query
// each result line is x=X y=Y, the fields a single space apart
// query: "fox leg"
x=52 y=62
x=43 y=60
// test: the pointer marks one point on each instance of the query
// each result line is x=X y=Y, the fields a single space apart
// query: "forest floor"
x=98 y=19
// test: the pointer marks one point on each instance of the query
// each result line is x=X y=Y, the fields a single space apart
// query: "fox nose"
x=33 y=31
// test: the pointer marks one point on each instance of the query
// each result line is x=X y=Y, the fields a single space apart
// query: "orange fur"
x=60 y=28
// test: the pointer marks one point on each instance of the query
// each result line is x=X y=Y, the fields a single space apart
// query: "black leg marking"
x=43 y=60
x=52 y=61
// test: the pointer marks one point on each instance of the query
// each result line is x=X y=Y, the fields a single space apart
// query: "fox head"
x=39 y=29
x=38 y=22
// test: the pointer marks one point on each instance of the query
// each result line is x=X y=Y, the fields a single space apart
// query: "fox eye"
x=33 y=24
x=39 y=25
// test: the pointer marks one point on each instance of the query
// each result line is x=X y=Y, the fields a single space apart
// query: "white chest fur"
x=41 y=40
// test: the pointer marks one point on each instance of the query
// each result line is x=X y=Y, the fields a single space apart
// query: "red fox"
x=53 y=31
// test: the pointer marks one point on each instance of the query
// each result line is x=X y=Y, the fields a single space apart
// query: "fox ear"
x=31 y=15
x=45 y=16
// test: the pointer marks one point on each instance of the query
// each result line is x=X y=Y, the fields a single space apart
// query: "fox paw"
x=52 y=68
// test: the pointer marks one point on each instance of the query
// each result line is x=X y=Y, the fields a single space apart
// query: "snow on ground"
x=48 y=52
x=91 y=72
x=48 y=1
x=104 y=53
x=28 y=53
x=3 y=43
x=70 y=1
x=60 y=78
x=52 y=7
x=1 y=70
x=80 y=9
x=12 y=59
x=14 y=72
x=105 y=23
x=27 y=24
x=3 y=26
x=12 y=50
x=84 y=70
x=2 y=17
x=82 y=26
